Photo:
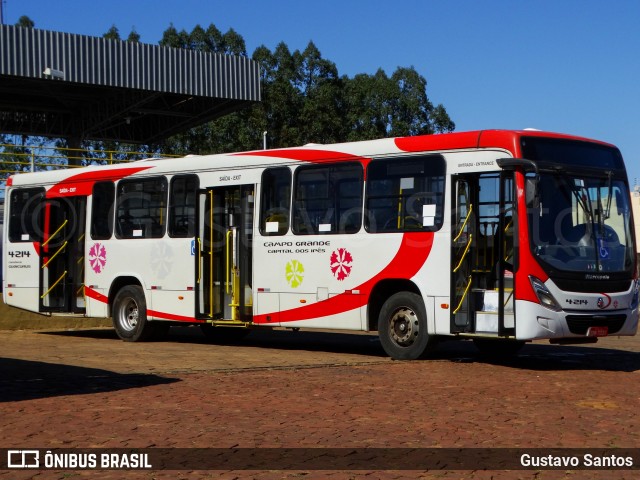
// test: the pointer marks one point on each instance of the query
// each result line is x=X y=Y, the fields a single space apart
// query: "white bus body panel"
x=539 y=322
x=21 y=270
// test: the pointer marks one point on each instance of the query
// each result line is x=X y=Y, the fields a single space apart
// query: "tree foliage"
x=305 y=100
x=25 y=22
x=114 y=34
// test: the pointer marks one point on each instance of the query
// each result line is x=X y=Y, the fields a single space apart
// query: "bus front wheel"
x=130 y=314
x=402 y=327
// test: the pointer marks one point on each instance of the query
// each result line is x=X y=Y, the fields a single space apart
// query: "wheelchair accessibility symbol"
x=602 y=250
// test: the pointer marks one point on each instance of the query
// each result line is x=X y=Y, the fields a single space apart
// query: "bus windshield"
x=582 y=224
x=581 y=219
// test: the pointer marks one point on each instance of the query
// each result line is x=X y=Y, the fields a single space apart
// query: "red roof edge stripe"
x=440 y=141
x=505 y=139
x=306 y=155
x=82 y=183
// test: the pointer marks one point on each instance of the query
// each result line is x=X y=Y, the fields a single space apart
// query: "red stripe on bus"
x=411 y=256
x=91 y=293
x=82 y=183
x=527 y=264
x=426 y=143
x=308 y=155
x=171 y=316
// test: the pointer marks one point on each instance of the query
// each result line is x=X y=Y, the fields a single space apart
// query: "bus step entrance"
x=229 y=323
x=487 y=311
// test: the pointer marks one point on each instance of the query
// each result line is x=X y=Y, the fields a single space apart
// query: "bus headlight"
x=544 y=295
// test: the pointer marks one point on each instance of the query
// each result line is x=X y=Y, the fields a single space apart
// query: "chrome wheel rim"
x=129 y=314
x=404 y=327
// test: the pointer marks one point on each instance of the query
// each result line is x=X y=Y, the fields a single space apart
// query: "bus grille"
x=579 y=324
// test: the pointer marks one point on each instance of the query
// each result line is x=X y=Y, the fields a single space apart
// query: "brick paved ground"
x=87 y=389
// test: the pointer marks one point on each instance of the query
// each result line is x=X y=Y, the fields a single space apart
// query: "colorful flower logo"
x=341 y=263
x=294 y=273
x=97 y=257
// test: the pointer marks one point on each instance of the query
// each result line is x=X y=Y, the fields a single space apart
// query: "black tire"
x=402 y=327
x=223 y=334
x=498 y=348
x=130 y=315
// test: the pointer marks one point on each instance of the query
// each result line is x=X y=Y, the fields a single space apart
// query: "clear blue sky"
x=570 y=66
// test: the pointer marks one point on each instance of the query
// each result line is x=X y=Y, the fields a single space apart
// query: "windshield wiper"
x=607 y=212
x=585 y=204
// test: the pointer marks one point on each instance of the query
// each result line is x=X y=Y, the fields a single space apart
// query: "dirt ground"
x=84 y=388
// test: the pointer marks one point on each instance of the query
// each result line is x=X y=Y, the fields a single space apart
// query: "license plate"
x=598 y=332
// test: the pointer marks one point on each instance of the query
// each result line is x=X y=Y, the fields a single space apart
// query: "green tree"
x=304 y=100
x=323 y=106
x=112 y=33
x=172 y=38
x=18 y=152
x=367 y=106
x=441 y=121
x=13 y=157
x=25 y=22
x=134 y=37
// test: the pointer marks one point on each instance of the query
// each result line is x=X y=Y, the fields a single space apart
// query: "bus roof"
x=508 y=140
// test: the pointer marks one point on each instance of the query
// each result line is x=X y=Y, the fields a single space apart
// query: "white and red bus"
x=497 y=236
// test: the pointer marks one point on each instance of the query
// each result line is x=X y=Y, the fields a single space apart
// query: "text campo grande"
x=95 y=460
x=314 y=244
x=586 y=461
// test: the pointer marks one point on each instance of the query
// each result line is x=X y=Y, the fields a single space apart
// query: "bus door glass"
x=62 y=255
x=463 y=232
x=482 y=253
x=224 y=262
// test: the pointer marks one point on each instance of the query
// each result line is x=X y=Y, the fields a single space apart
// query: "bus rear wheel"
x=402 y=327
x=130 y=314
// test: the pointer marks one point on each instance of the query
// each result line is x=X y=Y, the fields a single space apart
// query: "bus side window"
x=405 y=194
x=25 y=222
x=328 y=199
x=182 y=206
x=102 y=210
x=141 y=208
x=275 y=201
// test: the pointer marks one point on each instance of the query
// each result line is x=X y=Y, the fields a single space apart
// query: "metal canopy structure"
x=79 y=87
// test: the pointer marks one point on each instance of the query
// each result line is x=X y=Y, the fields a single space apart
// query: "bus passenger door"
x=463 y=232
x=62 y=255
x=224 y=246
x=482 y=254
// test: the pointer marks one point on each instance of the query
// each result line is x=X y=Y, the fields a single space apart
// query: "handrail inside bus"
x=464 y=295
x=229 y=233
x=64 y=274
x=55 y=233
x=62 y=247
x=464 y=224
x=199 y=261
x=464 y=254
